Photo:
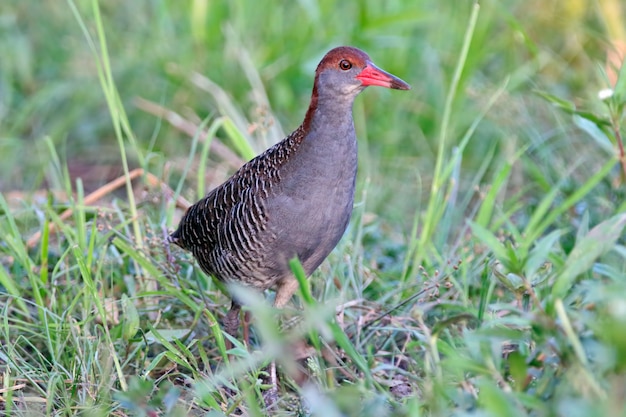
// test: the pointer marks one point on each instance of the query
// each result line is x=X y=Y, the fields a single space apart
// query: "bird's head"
x=348 y=70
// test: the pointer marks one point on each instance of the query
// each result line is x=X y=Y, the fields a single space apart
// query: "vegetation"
x=484 y=271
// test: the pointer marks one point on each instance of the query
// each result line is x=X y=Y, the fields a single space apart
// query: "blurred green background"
x=49 y=85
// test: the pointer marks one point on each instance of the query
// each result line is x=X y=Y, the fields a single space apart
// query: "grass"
x=483 y=270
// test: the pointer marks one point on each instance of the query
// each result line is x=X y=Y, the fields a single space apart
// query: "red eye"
x=345 y=65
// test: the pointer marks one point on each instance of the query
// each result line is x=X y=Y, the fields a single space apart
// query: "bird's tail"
x=175 y=238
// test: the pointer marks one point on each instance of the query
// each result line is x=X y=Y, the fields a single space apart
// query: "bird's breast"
x=310 y=206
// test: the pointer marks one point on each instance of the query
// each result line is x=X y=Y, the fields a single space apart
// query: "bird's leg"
x=231 y=321
x=285 y=291
x=271 y=396
x=246 y=327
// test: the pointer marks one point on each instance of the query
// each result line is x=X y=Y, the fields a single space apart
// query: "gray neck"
x=331 y=130
x=326 y=158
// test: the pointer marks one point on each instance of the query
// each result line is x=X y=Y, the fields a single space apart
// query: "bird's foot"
x=270 y=397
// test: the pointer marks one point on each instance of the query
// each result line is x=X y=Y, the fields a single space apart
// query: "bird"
x=293 y=200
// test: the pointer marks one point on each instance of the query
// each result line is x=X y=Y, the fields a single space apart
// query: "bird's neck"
x=322 y=152
x=327 y=145
x=329 y=116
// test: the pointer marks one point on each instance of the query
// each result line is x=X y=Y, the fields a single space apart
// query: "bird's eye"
x=345 y=65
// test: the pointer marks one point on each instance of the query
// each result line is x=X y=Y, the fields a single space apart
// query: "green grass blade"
x=598 y=241
x=434 y=210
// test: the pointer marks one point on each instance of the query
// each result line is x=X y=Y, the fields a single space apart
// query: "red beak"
x=372 y=75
